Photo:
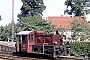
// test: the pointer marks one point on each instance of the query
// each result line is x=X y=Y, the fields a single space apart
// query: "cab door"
x=30 y=42
x=18 y=43
x=24 y=43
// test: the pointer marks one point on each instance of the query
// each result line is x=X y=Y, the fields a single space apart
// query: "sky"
x=53 y=8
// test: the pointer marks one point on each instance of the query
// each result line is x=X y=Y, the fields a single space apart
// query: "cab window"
x=23 y=38
x=19 y=37
x=30 y=37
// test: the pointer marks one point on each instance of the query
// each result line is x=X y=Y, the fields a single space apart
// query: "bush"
x=81 y=48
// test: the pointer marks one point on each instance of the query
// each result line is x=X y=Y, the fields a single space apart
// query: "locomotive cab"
x=25 y=40
x=22 y=41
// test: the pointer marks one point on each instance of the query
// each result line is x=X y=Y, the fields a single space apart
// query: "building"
x=63 y=22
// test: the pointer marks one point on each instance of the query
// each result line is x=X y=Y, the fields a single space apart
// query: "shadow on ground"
x=32 y=55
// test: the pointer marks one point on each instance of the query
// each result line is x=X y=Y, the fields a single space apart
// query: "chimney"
x=61 y=15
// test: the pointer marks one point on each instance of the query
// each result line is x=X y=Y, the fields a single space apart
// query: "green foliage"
x=81 y=48
x=36 y=23
x=0 y=18
x=77 y=7
x=31 y=8
x=31 y=17
x=80 y=29
x=28 y=23
x=5 y=32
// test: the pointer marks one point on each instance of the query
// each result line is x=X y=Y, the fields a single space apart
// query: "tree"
x=36 y=23
x=78 y=7
x=31 y=8
x=0 y=18
x=80 y=29
x=5 y=32
x=31 y=17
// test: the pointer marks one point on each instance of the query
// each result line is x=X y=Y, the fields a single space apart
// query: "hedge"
x=80 y=48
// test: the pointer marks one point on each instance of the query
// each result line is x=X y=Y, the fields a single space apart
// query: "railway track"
x=10 y=56
x=6 y=53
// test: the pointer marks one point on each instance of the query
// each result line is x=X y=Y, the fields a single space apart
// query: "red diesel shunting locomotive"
x=39 y=42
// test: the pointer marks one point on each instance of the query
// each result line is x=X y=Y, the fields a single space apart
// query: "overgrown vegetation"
x=80 y=48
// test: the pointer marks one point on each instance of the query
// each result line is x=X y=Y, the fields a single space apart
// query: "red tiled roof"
x=63 y=21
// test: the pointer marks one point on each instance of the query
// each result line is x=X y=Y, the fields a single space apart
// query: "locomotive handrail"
x=43 y=46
